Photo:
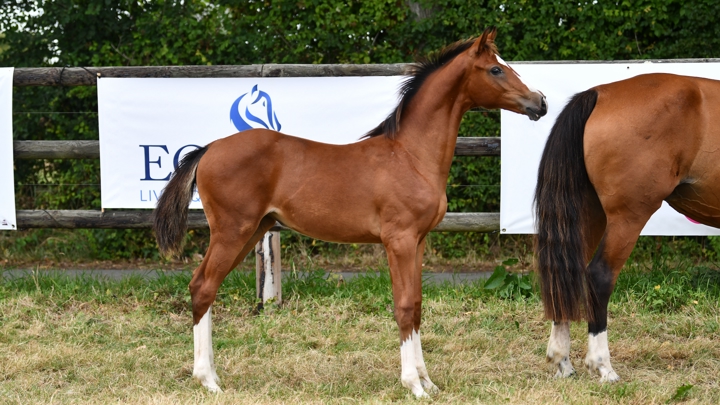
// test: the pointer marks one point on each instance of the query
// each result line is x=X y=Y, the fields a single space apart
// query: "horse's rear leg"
x=622 y=232
x=227 y=248
x=406 y=280
x=558 y=350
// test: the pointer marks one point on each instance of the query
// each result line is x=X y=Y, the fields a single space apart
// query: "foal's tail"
x=171 y=212
x=560 y=201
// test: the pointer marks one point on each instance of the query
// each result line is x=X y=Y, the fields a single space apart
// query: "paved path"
x=119 y=274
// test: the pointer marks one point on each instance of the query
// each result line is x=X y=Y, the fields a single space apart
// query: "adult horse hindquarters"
x=388 y=188
x=614 y=154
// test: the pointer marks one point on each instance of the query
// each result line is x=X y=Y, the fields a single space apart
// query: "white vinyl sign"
x=7 y=186
x=148 y=124
x=523 y=140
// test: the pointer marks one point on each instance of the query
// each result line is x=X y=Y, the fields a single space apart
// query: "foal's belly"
x=330 y=227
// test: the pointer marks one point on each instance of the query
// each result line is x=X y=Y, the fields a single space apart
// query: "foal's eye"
x=496 y=71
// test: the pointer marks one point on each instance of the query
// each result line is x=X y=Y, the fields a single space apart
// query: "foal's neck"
x=430 y=124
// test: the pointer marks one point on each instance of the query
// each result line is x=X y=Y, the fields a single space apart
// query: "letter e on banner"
x=157 y=162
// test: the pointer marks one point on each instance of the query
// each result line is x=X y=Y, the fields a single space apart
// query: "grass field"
x=88 y=341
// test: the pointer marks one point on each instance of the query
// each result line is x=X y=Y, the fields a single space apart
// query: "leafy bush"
x=193 y=32
x=509 y=285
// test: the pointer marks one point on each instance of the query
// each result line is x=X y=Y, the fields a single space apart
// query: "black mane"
x=419 y=71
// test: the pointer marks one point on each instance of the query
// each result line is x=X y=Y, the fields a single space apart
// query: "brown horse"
x=388 y=188
x=615 y=153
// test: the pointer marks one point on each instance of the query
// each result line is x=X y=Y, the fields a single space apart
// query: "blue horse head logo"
x=254 y=110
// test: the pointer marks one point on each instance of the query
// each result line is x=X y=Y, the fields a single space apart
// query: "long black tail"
x=560 y=200
x=171 y=212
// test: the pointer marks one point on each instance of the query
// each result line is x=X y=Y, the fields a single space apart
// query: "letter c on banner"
x=176 y=159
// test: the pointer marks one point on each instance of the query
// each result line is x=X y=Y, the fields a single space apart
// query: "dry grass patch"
x=65 y=341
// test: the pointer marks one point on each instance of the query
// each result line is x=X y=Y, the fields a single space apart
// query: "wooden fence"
x=267 y=250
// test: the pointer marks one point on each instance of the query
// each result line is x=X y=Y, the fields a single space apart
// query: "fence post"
x=267 y=269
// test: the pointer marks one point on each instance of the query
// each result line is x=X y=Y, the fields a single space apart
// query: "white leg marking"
x=558 y=350
x=598 y=357
x=409 y=375
x=204 y=367
x=420 y=365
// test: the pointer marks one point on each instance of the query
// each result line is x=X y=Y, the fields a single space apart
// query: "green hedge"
x=128 y=32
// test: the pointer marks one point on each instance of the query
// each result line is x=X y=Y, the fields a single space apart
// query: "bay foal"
x=388 y=188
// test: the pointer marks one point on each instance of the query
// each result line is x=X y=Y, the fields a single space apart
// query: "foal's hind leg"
x=226 y=250
x=425 y=381
x=407 y=294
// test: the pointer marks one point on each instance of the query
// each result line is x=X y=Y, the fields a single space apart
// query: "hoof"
x=209 y=380
x=213 y=388
x=565 y=372
x=415 y=387
x=421 y=394
x=609 y=376
x=564 y=366
x=210 y=385
x=429 y=387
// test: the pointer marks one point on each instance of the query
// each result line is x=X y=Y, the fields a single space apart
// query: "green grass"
x=84 y=340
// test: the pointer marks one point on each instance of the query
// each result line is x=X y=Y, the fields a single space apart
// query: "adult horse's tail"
x=171 y=212
x=560 y=201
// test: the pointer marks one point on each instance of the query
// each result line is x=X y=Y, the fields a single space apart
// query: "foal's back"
x=337 y=192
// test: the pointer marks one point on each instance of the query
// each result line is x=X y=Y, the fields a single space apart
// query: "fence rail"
x=142 y=219
x=56 y=149
x=485 y=146
x=80 y=76
x=88 y=76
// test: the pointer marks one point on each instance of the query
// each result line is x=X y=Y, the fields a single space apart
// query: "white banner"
x=7 y=186
x=148 y=124
x=523 y=140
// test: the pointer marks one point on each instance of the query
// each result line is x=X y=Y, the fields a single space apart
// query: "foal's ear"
x=487 y=37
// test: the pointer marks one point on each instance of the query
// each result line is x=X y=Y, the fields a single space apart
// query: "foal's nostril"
x=543 y=106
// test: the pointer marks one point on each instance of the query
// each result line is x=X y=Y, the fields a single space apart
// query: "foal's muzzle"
x=537 y=110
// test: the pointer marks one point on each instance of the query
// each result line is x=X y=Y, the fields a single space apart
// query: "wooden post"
x=267 y=267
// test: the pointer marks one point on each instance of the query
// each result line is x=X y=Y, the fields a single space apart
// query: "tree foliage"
x=36 y=33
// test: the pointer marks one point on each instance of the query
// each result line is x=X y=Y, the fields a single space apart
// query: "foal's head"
x=488 y=82
x=492 y=83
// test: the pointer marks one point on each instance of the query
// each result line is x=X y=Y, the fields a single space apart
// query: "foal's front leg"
x=407 y=294
x=425 y=381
